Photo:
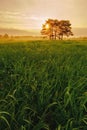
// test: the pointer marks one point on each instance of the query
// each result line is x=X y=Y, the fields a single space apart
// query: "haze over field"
x=36 y=32
x=29 y=15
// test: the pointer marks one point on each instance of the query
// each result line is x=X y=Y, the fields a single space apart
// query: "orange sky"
x=31 y=14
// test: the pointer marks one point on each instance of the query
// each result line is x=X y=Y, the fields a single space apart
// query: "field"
x=43 y=85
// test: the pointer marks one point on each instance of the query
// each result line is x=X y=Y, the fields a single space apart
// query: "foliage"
x=55 y=28
x=43 y=85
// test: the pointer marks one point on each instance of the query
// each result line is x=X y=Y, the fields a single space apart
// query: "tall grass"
x=43 y=85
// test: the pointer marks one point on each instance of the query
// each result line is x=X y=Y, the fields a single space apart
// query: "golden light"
x=47 y=26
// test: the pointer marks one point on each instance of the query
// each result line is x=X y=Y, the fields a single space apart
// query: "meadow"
x=43 y=85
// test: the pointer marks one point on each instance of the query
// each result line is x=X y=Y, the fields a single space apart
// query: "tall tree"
x=47 y=28
x=56 y=29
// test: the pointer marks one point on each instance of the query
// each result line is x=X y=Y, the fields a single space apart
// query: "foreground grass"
x=43 y=85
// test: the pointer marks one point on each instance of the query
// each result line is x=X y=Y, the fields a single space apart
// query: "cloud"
x=20 y=20
x=35 y=12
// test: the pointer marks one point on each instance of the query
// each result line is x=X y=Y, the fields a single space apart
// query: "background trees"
x=5 y=35
x=56 y=29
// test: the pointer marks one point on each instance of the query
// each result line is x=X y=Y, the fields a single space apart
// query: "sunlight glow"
x=47 y=26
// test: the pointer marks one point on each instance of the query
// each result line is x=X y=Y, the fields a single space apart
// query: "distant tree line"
x=56 y=29
x=4 y=36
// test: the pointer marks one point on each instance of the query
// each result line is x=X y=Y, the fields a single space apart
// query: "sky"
x=31 y=14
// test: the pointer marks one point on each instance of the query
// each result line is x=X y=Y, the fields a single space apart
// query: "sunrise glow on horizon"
x=31 y=14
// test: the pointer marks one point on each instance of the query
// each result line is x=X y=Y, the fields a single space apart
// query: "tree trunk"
x=62 y=37
x=55 y=35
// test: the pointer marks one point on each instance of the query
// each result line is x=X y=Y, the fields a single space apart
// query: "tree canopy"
x=56 y=29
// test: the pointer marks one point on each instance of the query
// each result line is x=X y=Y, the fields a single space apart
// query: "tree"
x=47 y=28
x=56 y=29
x=0 y=36
x=64 y=29
x=50 y=28
x=6 y=35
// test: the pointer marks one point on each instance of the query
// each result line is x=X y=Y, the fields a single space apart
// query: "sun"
x=47 y=26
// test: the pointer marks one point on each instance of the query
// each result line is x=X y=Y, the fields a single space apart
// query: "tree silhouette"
x=0 y=36
x=56 y=29
x=64 y=29
x=6 y=35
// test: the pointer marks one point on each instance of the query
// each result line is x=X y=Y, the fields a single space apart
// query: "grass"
x=43 y=85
